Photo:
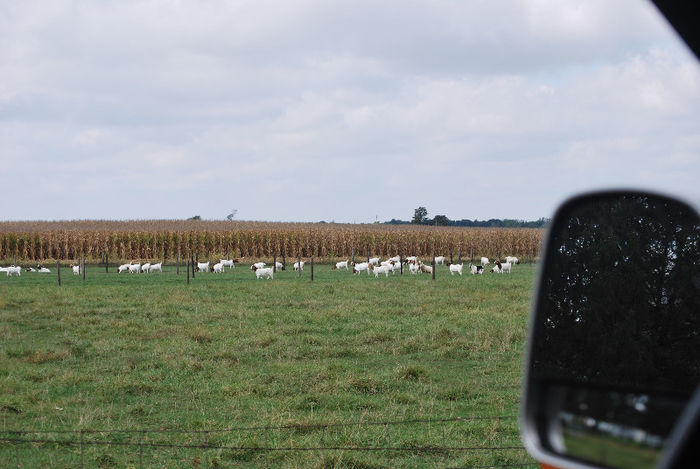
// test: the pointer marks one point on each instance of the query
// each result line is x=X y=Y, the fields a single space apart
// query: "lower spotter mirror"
x=614 y=344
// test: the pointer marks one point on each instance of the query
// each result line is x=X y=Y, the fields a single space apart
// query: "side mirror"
x=614 y=343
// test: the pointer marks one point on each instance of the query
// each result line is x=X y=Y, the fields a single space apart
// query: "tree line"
x=420 y=217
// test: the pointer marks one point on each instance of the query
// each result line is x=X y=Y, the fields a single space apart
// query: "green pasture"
x=202 y=367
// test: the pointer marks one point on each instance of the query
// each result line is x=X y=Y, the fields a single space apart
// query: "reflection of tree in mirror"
x=619 y=307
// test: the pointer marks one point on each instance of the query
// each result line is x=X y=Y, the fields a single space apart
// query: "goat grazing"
x=512 y=260
x=456 y=268
x=298 y=266
x=499 y=268
x=440 y=260
x=361 y=267
x=263 y=272
x=218 y=268
x=476 y=269
x=156 y=267
x=134 y=268
x=382 y=269
x=341 y=265
x=227 y=263
x=203 y=266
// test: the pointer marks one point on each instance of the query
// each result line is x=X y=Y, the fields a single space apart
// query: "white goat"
x=203 y=266
x=440 y=260
x=414 y=268
x=156 y=267
x=134 y=268
x=123 y=268
x=227 y=263
x=218 y=268
x=13 y=270
x=361 y=267
x=298 y=266
x=264 y=272
x=456 y=268
x=279 y=265
x=395 y=259
x=146 y=268
x=257 y=265
x=485 y=261
x=76 y=269
x=382 y=269
x=499 y=268
x=512 y=260
x=374 y=261
x=341 y=265
x=43 y=270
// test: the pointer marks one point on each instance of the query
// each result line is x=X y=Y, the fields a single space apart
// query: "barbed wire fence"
x=468 y=442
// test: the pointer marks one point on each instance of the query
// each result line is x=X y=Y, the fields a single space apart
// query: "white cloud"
x=342 y=111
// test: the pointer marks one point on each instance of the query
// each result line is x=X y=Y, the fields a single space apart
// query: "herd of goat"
x=373 y=265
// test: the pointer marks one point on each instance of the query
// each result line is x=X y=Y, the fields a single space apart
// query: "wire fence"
x=469 y=442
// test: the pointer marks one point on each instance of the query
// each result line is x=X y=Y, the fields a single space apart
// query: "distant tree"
x=196 y=217
x=394 y=221
x=441 y=220
x=420 y=215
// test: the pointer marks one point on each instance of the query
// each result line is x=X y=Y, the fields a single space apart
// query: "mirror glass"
x=615 y=352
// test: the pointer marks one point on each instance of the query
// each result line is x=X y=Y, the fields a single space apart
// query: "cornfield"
x=166 y=240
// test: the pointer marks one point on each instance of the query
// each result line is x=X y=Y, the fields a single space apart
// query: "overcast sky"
x=320 y=110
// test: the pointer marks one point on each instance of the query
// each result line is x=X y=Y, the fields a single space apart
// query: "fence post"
x=143 y=433
x=368 y=256
x=451 y=257
x=500 y=433
x=312 y=268
x=434 y=269
x=177 y=263
x=353 y=256
x=83 y=268
x=388 y=435
x=58 y=272
x=401 y=263
x=284 y=262
x=188 y=272
x=299 y=263
x=192 y=263
x=274 y=263
x=106 y=263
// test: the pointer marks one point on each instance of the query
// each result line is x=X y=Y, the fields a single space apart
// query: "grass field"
x=207 y=364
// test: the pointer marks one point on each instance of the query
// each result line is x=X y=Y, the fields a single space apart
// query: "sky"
x=338 y=111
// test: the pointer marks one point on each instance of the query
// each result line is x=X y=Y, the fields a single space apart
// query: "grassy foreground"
x=119 y=353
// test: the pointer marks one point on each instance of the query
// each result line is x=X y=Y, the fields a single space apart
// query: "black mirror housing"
x=614 y=342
